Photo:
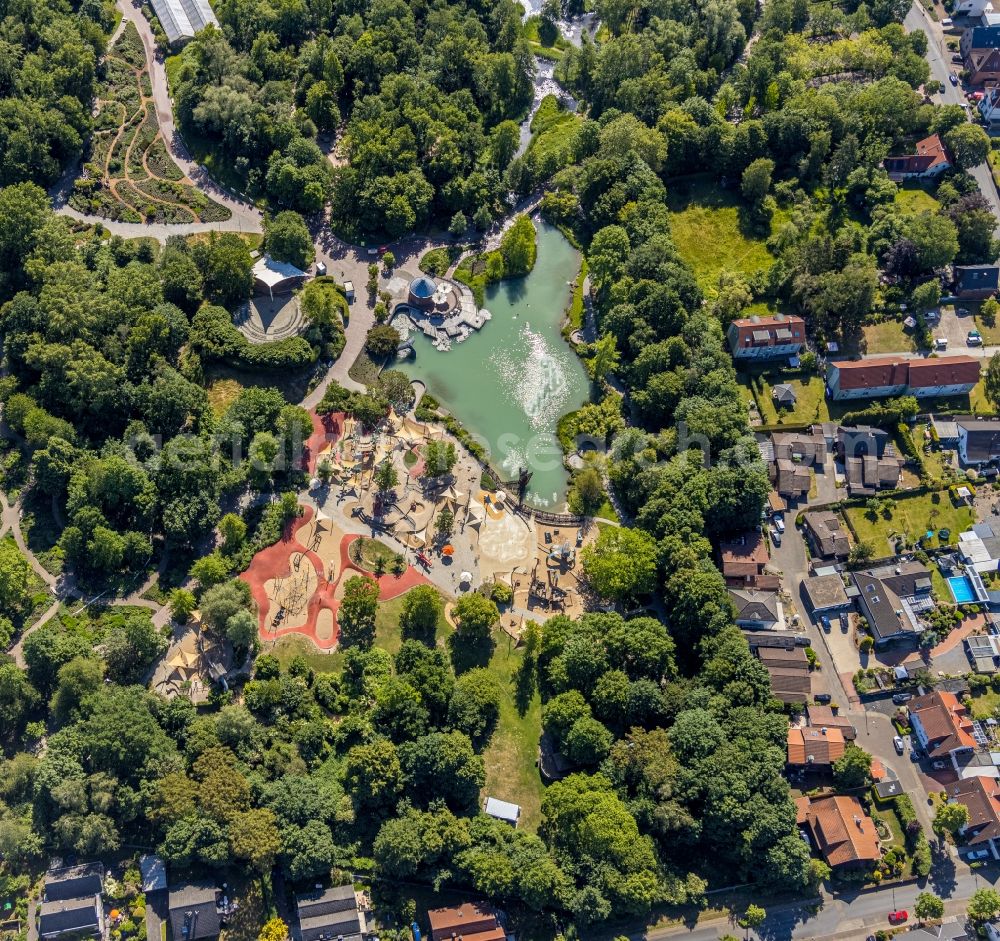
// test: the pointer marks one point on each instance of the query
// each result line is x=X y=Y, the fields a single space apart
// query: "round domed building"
x=421 y=293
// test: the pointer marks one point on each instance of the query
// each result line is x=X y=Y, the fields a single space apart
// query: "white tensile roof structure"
x=181 y=19
x=271 y=275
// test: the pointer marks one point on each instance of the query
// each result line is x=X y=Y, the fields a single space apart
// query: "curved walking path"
x=245 y=216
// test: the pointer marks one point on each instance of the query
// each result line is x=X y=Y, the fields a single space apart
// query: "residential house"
x=870 y=460
x=826 y=594
x=840 y=829
x=943 y=376
x=766 y=337
x=929 y=160
x=791 y=479
x=788 y=667
x=826 y=535
x=978 y=440
x=331 y=915
x=472 y=921
x=757 y=610
x=983 y=650
x=972 y=8
x=814 y=747
x=975 y=282
x=823 y=717
x=946 y=430
x=980 y=50
x=891 y=598
x=196 y=910
x=895 y=375
x=981 y=795
x=989 y=107
x=744 y=560
x=783 y=395
x=71 y=903
x=942 y=725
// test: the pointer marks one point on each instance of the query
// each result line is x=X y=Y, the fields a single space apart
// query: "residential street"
x=939 y=59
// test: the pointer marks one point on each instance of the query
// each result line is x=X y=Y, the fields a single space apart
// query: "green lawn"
x=913 y=199
x=984 y=704
x=708 y=232
x=934 y=460
x=810 y=401
x=912 y=517
x=888 y=337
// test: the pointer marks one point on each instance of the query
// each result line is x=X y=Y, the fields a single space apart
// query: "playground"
x=445 y=530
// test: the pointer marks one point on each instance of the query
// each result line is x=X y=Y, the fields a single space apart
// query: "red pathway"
x=276 y=562
x=327 y=429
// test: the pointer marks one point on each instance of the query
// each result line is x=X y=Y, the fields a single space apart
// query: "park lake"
x=511 y=382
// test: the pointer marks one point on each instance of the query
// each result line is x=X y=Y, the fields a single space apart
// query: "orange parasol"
x=447 y=550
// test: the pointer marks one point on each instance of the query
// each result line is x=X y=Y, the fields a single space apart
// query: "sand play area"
x=297 y=583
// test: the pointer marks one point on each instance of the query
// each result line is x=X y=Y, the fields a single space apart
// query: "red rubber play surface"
x=326 y=430
x=276 y=562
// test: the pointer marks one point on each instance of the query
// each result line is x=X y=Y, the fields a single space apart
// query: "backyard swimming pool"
x=961 y=589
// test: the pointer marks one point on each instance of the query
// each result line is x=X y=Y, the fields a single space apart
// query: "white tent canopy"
x=271 y=275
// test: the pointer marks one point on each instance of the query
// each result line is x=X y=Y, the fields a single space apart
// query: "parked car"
x=897 y=918
x=953 y=78
x=824 y=619
x=779 y=524
x=956 y=57
x=823 y=699
x=775 y=536
x=940 y=343
x=897 y=743
x=947 y=22
x=974 y=338
x=899 y=698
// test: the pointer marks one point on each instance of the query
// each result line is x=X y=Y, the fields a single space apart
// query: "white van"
x=941 y=343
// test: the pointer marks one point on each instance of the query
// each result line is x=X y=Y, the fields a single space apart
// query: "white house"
x=972 y=8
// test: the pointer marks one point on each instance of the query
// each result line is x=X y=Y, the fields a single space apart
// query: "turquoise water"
x=961 y=589
x=511 y=382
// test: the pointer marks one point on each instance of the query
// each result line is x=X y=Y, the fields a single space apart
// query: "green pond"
x=511 y=382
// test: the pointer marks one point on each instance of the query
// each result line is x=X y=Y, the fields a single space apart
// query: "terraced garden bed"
x=128 y=174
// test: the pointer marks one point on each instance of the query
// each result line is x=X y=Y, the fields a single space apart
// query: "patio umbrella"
x=465 y=578
x=448 y=550
x=500 y=496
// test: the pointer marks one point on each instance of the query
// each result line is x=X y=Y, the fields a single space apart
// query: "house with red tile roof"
x=930 y=160
x=841 y=830
x=471 y=921
x=815 y=746
x=942 y=725
x=895 y=375
x=981 y=795
x=767 y=337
